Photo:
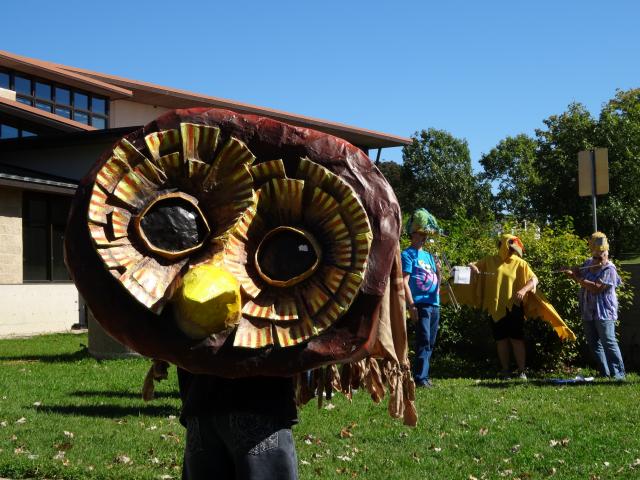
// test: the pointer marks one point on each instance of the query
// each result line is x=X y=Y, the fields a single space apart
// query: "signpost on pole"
x=593 y=177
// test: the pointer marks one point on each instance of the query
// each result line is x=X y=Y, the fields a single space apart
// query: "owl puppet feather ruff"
x=235 y=245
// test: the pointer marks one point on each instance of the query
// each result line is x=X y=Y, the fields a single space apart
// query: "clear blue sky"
x=481 y=70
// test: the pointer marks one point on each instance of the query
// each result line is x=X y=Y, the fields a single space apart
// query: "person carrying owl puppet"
x=421 y=274
x=505 y=287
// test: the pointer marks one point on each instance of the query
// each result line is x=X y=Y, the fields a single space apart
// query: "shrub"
x=466 y=332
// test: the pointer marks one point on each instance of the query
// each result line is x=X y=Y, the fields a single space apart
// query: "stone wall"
x=10 y=236
x=630 y=324
x=38 y=308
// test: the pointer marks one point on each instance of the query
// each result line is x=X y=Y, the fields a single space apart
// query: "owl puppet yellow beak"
x=208 y=301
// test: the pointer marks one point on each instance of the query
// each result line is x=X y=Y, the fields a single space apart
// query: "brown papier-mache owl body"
x=235 y=245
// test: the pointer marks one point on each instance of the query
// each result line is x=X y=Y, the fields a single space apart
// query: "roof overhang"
x=53 y=72
x=153 y=94
x=143 y=92
x=62 y=140
x=31 y=115
x=25 y=179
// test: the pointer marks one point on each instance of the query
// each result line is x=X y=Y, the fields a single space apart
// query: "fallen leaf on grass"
x=123 y=459
x=64 y=446
x=329 y=406
x=170 y=436
x=434 y=448
x=515 y=449
x=37 y=404
x=483 y=431
x=344 y=458
x=3 y=424
x=18 y=451
x=416 y=457
x=155 y=460
x=563 y=443
x=345 y=433
x=506 y=473
x=68 y=434
x=21 y=420
x=60 y=455
x=304 y=462
x=309 y=439
x=635 y=464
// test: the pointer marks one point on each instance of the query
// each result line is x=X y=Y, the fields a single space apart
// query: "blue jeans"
x=426 y=332
x=601 y=337
x=238 y=446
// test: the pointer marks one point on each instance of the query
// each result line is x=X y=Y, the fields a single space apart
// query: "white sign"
x=461 y=275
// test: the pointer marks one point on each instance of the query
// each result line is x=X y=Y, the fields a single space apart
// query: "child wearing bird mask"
x=505 y=280
x=421 y=277
x=598 y=280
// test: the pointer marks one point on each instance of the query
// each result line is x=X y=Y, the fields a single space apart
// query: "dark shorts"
x=509 y=326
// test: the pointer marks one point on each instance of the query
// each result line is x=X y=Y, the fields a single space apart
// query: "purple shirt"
x=603 y=305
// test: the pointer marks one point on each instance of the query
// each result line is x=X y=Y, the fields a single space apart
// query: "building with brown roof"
x=55 y=120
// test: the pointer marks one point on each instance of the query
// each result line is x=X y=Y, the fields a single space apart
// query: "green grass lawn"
x=66 y=415
x=631 y=261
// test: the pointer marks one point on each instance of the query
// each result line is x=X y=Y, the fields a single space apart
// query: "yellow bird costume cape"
x=501 y=276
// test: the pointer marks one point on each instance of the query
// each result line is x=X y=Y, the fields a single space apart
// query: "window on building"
x=61 y=100
x=44 y=220
x=9 y=131
x=5 y=80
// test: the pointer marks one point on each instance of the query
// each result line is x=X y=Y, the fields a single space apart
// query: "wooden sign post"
x=593 y=177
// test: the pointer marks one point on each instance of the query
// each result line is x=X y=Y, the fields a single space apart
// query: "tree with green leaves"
x=437 y=175
x=392 y=171
x=537 y=179
x=619 y=130
x=511 y=168
x=557 y=166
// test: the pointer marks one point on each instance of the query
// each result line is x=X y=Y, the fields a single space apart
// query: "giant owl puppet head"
x=234 y=245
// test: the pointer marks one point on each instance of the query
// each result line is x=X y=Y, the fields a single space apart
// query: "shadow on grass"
x=132 y=395
x=110 y=411
x=549 y=382
x=49 y=358
x=449 y=366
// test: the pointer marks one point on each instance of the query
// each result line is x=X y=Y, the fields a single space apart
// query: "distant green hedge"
x=467 y=333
